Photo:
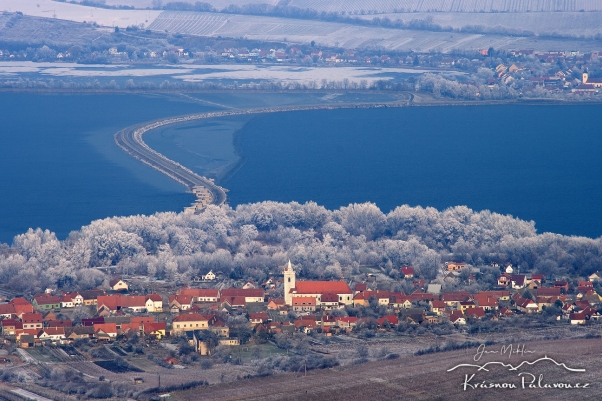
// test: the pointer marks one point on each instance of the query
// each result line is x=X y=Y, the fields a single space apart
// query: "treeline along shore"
x=207 y=192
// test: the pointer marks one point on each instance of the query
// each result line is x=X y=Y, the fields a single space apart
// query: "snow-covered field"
x=474 y=6
x=217 y=4
x=331 y=34
x=78 y=13
x=567 y=23
x=344 y=35
x=198 y=73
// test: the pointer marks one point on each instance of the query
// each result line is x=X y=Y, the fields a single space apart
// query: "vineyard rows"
x=468 y=6
x=569 y=23
x=345 y=35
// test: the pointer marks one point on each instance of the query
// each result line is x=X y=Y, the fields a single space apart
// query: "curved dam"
x=205 y=189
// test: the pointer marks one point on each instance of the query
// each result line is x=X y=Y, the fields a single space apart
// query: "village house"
x=453 y=266
x=407 y=271
x=400 y=301
x=156 y=330
x=390 y=320
x=7 y=311
x=179 y=303
x=118 y=302
x=190 y=322
x=10 y=326
x=249 y=295
x=21 y=306
x=275 y=303
x=209 y=276
x=46 y=302
x=577 y=318
x=118 y=284
x=32 y=321
x=154 y=303
x=52 y=334
x=203 y=295
x=304 y=304
x=258 y=318
x=66 y=301
x=90 y=296
x=437 y=307
x=526 y=305
x=457 y=317
x=105 y=331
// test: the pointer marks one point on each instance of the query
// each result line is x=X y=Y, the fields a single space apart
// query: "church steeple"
x=289 y=283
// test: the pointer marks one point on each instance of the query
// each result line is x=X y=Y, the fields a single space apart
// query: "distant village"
x=516 y=73
x=201 y=312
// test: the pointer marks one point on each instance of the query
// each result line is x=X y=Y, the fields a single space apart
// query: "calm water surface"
x=539 y=163
x=60 y=168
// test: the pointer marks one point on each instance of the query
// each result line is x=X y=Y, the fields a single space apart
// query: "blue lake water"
x=540 y=163
x=60 y=168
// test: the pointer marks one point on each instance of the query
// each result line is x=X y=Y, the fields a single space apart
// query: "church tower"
x=289 y=283
x=585 y=78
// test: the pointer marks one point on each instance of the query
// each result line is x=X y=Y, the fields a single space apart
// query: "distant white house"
x=209 y=276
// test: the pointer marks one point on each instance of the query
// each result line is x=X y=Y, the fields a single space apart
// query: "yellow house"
x=189 y=322
x=118 y=284
x=158 y=329
x=453 y=266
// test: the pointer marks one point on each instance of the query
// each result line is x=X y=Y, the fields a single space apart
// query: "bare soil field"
x=427 y=377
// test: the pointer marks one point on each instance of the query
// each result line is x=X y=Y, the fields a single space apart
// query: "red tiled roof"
x=478 y=312
x=300 y=301
x=329 y=297
x=6 y=309
x=407 y=271
x=361 y=287
x=192 y=317
x=200 y=292
x=155 y=297
x=109 y=328
x=114 y=281
x=234 y=301
x=59 y=323
x=114 y=302
x=549 y=292
x=320 y=287
x=32 y=318
x=142 y=319
x=47 y=299
x=392 y=319
x=52 y=331
x=239 y=292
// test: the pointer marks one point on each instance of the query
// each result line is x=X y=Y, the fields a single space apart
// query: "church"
x=596 y=82
x=314 y=289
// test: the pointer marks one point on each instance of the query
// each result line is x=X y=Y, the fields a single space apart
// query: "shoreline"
x=206 y=190
x=425 y=99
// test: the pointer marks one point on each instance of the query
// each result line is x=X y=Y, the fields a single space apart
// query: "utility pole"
x=159 y=385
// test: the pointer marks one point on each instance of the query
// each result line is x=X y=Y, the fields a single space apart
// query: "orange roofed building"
x=314 y=289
